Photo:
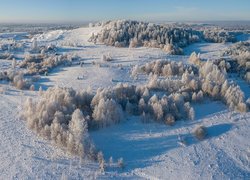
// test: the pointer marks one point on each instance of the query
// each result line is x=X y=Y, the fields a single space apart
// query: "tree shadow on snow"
x=217 y=130
x=212 y=132
x=42 y=83
x=138 y=143
x=208 y=108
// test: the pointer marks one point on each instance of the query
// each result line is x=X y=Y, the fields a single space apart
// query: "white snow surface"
x=150 y=151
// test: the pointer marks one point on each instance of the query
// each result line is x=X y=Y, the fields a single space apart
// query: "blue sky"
x=150 y=10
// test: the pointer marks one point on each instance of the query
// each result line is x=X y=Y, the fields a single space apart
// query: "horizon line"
x=96 y=21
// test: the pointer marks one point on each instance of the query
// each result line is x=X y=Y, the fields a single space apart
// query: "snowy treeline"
x=165 y=68
x=172 y=39
x=240 y=53
x=123 y=33
x=218 y=36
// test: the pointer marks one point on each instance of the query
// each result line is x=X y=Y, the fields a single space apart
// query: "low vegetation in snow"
x=200 y=132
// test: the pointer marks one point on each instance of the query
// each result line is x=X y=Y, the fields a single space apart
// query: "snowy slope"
x=150 y=151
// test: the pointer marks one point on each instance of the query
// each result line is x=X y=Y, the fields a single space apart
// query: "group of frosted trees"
x=133 y=34
x=194 y=81
x=240 y=53
x=218 y=36
x=64 y=116
x=171 y=38
x=60 y=116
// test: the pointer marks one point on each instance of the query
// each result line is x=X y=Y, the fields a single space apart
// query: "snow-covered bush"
x=172 y=49
x=16 y=78
x=200 y=132
x=106 y=58
x=169 y=119
x=41 y=63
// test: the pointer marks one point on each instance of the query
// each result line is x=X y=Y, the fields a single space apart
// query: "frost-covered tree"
x=195 y=59
x=107 y=112
x=101 y=161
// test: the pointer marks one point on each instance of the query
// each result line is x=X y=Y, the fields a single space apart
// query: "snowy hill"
x=151 y=150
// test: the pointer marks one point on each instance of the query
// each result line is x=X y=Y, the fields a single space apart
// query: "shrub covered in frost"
x=106 y=58
x=200 y=132
x=16 y=78
x=41 y=63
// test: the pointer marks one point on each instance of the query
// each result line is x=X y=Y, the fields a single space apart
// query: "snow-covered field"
x=150 y=150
